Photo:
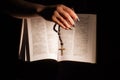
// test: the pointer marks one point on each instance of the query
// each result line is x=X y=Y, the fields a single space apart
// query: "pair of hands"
x=62 y=15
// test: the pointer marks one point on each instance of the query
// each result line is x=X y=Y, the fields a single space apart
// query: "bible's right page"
x=80 y=43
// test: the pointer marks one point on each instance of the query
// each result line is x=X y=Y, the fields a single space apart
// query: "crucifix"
x=61 y=49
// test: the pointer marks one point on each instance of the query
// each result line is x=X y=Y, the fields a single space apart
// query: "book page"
x=43 y=40
x=80 y=43
x=22 y=42
x=24 y=45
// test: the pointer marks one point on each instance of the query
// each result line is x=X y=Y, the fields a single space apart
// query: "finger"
x=61 y=19
x=71 y=12
x=66 y=16
x=58 y=22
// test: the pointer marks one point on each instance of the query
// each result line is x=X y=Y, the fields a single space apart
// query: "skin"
x=62 y=15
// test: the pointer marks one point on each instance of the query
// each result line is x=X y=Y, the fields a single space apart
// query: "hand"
x=60 y=14
x=64 y=16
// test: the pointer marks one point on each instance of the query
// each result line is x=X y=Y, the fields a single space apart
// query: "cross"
x=62 y=49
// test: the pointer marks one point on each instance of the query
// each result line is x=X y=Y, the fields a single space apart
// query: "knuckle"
x=55 y=12
x=53 y=18
x=71 y=12
x=59 y=6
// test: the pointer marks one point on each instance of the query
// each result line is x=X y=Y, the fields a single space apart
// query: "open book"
x=40 y=41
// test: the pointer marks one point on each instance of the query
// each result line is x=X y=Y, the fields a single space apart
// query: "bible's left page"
x=41 y=40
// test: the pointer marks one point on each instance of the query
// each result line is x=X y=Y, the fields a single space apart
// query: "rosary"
x=59 y=35
x=60 y=39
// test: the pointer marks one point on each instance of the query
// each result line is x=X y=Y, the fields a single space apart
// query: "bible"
x=40 y=41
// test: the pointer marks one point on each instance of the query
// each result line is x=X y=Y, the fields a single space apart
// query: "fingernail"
x=78 y=19
x=73 y=25
x=70 y=28
x=66 y=28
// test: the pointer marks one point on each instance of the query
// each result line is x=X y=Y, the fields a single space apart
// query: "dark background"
x=107 y=50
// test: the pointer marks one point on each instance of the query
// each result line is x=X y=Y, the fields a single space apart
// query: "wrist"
x=47 y=12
